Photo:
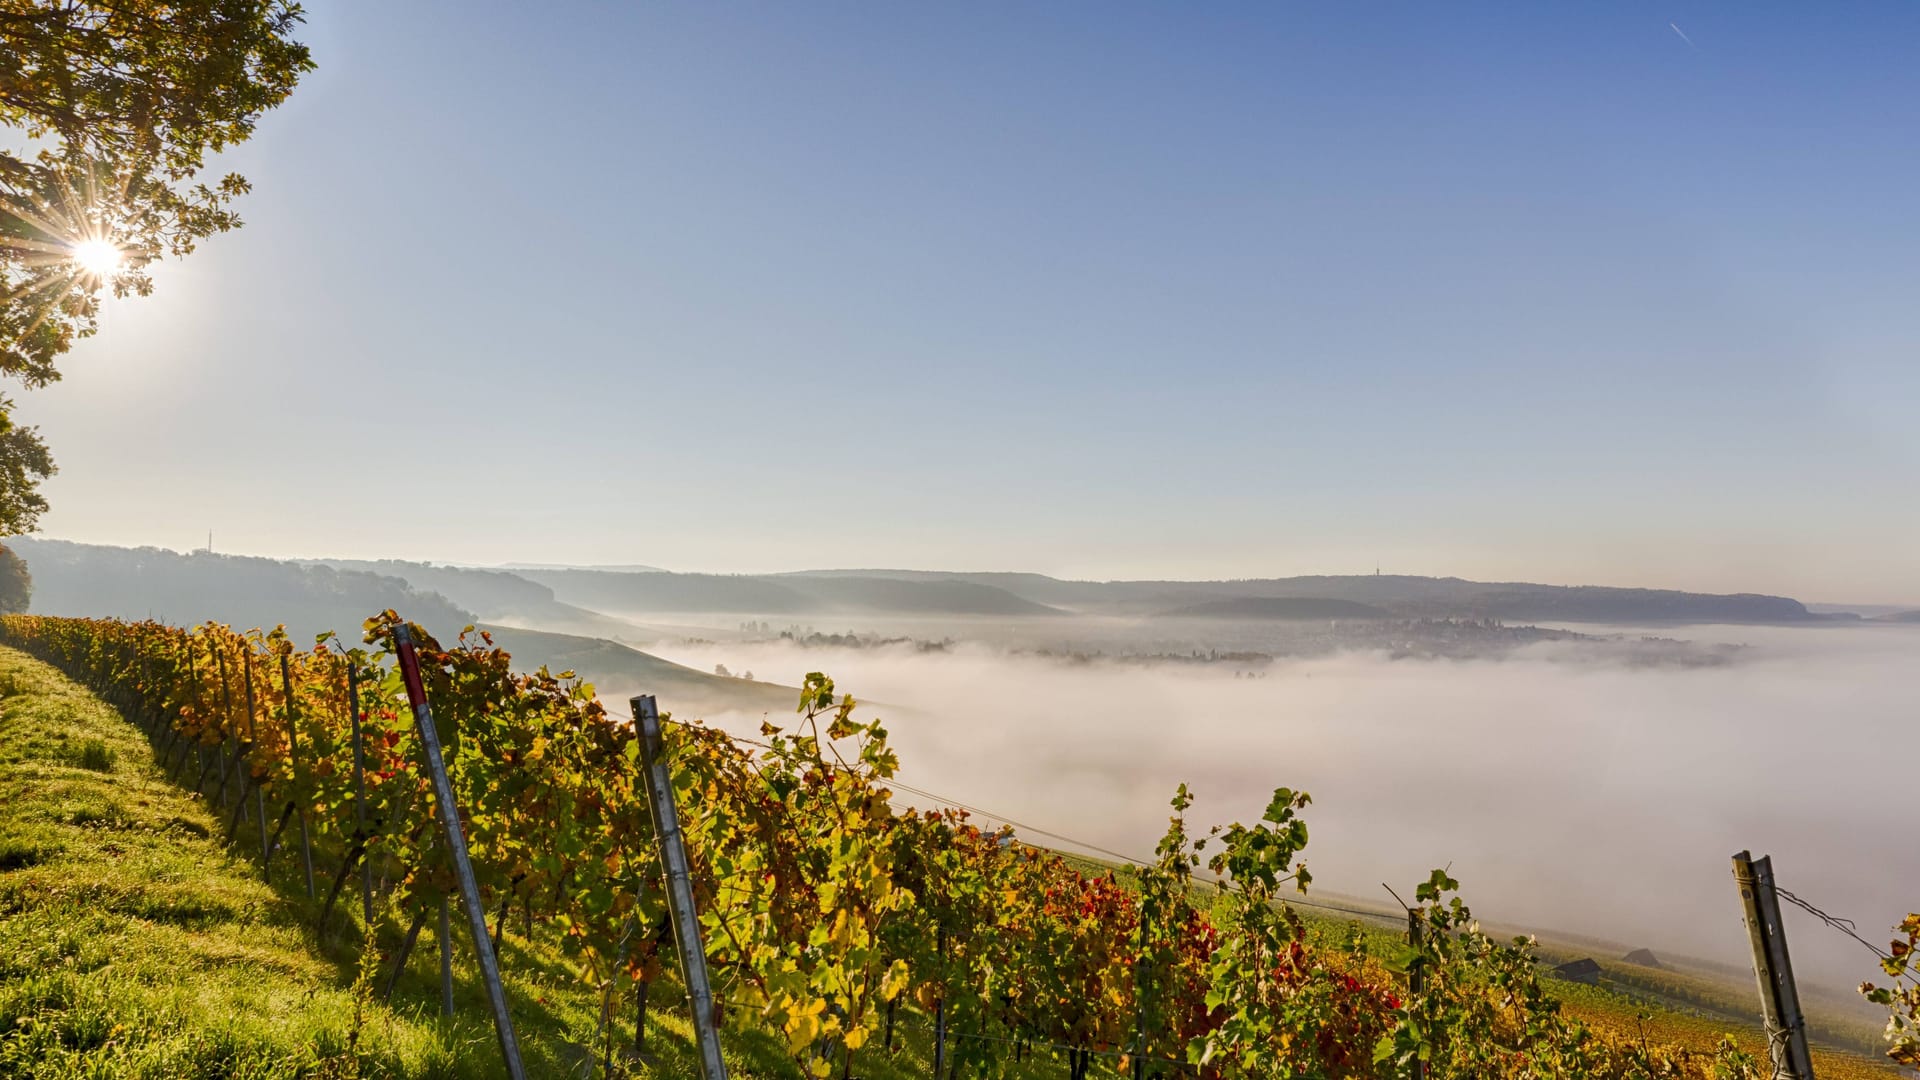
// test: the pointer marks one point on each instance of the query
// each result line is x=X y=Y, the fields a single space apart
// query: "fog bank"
x=1593 y=799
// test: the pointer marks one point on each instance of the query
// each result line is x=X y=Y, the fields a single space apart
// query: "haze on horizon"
x=1551 y=295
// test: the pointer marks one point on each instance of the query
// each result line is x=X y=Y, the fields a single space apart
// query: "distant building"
x=1584 y=970
x=1643 y=957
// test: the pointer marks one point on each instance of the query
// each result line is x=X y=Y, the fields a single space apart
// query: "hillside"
x=483 y=591
x=618 y=672
x=1280 y=607
x=337 y=593
x=1405 y=596
x=142 y=583
x=496 y=596
x=313 y=597
x=742 y=594
x=138 y=945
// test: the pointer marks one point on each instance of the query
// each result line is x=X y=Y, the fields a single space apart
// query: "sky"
x=1610 y=293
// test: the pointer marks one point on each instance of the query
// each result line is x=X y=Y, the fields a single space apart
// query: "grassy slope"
x=136 y=945
x=132 y=938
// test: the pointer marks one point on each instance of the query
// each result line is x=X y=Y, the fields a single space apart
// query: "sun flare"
x=97 y=257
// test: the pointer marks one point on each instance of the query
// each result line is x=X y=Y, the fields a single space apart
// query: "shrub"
x=95 y=755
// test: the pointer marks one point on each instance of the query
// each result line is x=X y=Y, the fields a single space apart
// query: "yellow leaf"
x=842 y=934
x=802 y=1029
x=895 y=981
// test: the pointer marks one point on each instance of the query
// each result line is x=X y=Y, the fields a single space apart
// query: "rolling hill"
x=1280 y=607
x=496 y=596
x=141 y=583
x=618 y=672
x=742 y=594
x=1400 y=595
x=92 y=579
x=310 y=598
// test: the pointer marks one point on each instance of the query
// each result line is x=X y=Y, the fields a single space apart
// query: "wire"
x=1021 y=826
x=1845 y=926
x=1038 y=831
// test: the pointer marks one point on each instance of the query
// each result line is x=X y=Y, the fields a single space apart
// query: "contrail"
x=1683 y=35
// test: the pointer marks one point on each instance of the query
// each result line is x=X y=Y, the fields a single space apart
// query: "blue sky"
x=1545 y=291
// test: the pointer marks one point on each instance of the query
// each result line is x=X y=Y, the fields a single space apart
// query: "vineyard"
x=834 y=918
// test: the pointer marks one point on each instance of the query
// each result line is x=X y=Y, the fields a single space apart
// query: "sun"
x=97 y=257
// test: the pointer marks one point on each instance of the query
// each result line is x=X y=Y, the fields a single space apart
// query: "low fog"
x=1569 y=795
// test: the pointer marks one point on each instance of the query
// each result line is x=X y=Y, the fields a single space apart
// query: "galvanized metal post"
x=1786 y=1025
x=359 y=787
x=293 y=756
x=1791 y=1014
x=457 y=846
x=673 y=860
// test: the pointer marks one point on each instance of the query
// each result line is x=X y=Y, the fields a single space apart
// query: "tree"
x=114 y=107
x=16 y=585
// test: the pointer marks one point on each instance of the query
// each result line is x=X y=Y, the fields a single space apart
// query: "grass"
x=134 y=944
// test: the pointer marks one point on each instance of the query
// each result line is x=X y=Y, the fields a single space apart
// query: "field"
x=1604 y=1007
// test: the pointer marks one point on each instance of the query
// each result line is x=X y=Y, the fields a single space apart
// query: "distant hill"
x=619 y=672
x=623 y=568
x=1280 y=607
x=1402 y=595
x=746 y=594
x=485 y=591
x=1898 y=616
x=87 y=578
x=496 y=596
x=140 y=583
